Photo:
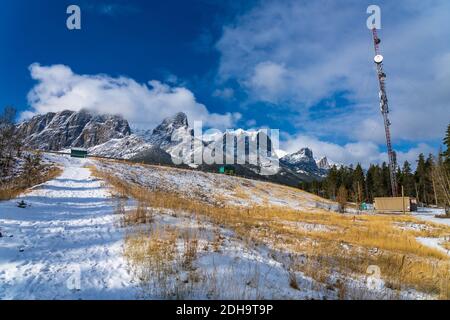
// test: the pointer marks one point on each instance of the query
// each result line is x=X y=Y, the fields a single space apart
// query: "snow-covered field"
x=216 y=188
x=429 y=214
x=67 y=243
x=64 y=244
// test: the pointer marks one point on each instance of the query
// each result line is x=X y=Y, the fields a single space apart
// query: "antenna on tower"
x=385 y=111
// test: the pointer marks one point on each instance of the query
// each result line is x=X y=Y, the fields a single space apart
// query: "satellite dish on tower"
x=378 y=59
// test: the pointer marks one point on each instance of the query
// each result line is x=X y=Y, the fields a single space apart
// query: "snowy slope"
x=67 y=244
x=125 y=148
x=232 y=190
x=64 y=241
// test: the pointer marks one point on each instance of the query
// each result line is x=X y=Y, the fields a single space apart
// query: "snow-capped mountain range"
x=111 y=136
x=303 y=161
x=65 y=129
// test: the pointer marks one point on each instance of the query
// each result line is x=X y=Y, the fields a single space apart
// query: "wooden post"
x=403 y=199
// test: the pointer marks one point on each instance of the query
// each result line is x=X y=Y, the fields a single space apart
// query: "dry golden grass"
x=19 y=185
x=348 y=246
x=240 y=193
x=142 y=214
x=157 y=255
x=446 y=245
x=151 y=256
x=190 y=245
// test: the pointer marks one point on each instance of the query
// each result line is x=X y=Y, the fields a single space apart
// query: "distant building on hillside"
x=78 y=153
x=227 y=169
x=395 y=204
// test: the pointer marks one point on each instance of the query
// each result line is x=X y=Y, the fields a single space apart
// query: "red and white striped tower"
x=385 y=111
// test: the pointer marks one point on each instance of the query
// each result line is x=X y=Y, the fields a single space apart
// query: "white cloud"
x=59 y=88
x=268 y=80
x=299 y=52
x=225 y=93
x=365 y=153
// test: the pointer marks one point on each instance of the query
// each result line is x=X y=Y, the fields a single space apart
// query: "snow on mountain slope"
x=323 y=163
x=303 y=162
x=216 y=187
x=172 y=141
x=171 y=132
x=125 y=148
x=65 y=129
x=66 y=233
x=176 y=137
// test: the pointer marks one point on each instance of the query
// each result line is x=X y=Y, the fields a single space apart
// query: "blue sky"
x=304 y=67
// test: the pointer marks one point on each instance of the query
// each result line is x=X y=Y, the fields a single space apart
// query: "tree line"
x=429 y=182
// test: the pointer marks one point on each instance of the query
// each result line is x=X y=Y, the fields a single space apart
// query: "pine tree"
x=430 y=187
x=447 y=142
x=423 y=179
x=370 y=183
x=375 y=183
x=342 y=198
x=446 y=153
x=386 y=190
x=358 y=184
x=407 y=180
x=331 y=183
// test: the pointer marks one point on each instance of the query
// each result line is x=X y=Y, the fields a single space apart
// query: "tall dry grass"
x=12 y=189
x=152 y=258
x=348 y=245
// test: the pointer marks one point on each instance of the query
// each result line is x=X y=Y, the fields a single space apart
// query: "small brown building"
x=395 y=204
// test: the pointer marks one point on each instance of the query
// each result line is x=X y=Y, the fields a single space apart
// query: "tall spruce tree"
x=423 y=179
x=407 y=180
x=358 y=184
x=386 y=178
x=446 y=153
x=331 y=183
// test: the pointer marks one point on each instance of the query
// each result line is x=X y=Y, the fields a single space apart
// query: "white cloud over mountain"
x=364 y=152
x=298 y=53
x=59 y=88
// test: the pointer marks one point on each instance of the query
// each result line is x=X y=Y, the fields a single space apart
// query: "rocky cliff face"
x=301 y=161
x=171 y=132
x=65 y=129
x=323 y=164
x=110 y=136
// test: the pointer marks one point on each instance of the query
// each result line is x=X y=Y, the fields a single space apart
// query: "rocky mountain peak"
x=323 y=163
x=171 y=131
x=179 y=120
x=65 y=129
x=304 y=155
x=301 y=161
